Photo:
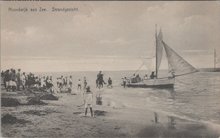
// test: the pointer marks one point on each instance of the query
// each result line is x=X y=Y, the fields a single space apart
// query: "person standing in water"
x=79 y=85
x=70 y=81
x=84 y=84
x=88 y=100
x=124 y=82
x=100 y=80
x=109 y=83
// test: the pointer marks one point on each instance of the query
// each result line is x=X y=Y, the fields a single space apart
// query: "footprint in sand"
x=77 y=113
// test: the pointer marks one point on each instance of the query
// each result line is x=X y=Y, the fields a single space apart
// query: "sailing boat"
x=177 y=66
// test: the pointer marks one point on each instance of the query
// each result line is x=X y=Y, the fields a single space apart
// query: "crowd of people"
x=65 y=84
x=136 y=78
x=16 y=80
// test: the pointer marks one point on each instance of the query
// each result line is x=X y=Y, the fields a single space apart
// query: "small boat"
x=177 y=66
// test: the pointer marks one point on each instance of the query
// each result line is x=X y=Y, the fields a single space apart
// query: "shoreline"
x=64 y=118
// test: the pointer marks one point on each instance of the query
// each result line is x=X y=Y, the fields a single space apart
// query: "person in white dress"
x=88 y=100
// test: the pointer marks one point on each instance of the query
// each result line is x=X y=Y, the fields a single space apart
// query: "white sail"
x=177 y=65
x=159 y=50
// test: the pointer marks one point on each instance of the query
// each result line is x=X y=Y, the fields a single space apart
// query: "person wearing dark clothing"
x=18 y=76
x=133 y=79
x=97 y=83
x=6 y=80
x=84 y=83
x=124 y=82
x=137 y=78
x=79 y=85
x=100 y=80
x=152 y=76
x=109 y=83
x=2 y=78
x=65 y=81
x=49 y=82
x=12 y=82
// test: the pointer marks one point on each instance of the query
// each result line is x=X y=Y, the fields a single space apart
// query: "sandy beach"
x=120 y=115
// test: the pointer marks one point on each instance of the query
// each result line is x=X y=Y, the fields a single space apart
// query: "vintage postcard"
x=110 y=69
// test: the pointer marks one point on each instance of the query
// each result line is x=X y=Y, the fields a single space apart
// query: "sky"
x=101 y=35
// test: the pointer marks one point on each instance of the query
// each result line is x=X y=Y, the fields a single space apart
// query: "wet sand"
x=119 y=116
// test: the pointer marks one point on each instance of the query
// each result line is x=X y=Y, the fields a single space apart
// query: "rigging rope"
x=139 y=68
x=183 y=82
x=142 y=64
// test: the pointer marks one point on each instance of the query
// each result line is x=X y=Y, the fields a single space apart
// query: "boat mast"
x=156 y=49
x=214 y=59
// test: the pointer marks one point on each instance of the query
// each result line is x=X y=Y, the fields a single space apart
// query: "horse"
x=99 y=83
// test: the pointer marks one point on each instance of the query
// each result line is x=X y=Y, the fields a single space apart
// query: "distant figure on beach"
x=61 y=82
x=70 y=81
x=79 y=86
x=145 y=77
x=43 y=83
x=18 y=79
x=133 y=78
x=23 y=80
x=88 y=100
x=137 y=78
x=109 y=83
x=152 y=76
x=100 y=81
x=65 y=81
x=124 y=81
x=70 y=84
x=49 y=84
x=6 y=80
x=84 y=83
x=12 y=82
x=58 y=82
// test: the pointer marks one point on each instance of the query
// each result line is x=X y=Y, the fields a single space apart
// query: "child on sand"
x=109 y=83
x=88 y=100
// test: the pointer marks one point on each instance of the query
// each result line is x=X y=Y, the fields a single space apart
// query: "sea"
x=195 y=96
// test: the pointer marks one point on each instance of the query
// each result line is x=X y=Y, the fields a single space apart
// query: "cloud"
x=111 y=29
x=184 y=25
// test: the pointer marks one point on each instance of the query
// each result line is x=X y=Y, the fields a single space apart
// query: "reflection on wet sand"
x=171 y=122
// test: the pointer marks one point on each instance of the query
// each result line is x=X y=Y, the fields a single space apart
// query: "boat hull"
x=154 y=83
